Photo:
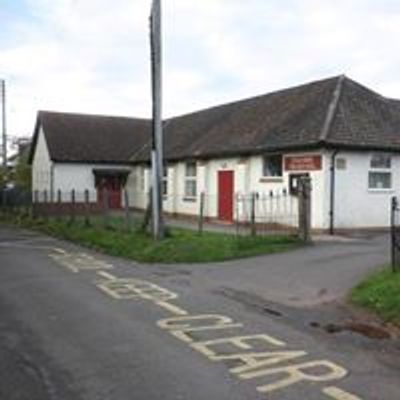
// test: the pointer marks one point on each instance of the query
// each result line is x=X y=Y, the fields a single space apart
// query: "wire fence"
x=240 y=214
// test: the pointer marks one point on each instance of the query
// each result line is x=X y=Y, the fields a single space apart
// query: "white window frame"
x=190 y=179
x=387 y=170
x=264 y=160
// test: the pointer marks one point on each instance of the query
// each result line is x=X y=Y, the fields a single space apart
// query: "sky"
x=92 y=56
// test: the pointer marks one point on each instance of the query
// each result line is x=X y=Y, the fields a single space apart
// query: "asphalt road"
x=76 y=324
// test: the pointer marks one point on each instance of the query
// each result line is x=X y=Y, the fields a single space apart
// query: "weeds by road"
x=180 y=246
x=380 y=293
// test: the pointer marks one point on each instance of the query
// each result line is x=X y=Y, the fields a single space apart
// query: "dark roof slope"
x=364 y=119
x=292 y=117
x=91 y=138
x=334 y=112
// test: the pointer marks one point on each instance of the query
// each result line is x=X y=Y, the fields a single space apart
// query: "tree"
x=2 y=177
x=23 y=172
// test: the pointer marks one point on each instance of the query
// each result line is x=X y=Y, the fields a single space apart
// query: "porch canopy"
x=116 y=174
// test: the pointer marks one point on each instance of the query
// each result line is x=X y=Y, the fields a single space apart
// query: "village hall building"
x=342 y=135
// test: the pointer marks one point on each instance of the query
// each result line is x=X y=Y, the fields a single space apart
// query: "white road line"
x=172 y=308
x=107 y=275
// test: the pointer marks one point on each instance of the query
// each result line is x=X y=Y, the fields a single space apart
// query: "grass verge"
x=181 y=246
x=380 y=293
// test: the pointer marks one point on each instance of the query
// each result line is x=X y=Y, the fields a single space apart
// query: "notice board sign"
x=303 y=163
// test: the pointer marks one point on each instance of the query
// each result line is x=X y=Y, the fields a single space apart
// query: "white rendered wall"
x=78 y=177
x=41 y=165
x=356 y=206
x=247 y=179
x=257 y=183
x=138 y=185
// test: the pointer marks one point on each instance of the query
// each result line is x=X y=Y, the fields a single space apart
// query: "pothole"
x=270 y=311
x=367 y=330
x=252 y=300
x=370 y=331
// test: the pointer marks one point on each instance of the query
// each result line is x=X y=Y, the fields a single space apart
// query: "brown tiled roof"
x=91 y=138
x=335 y=112
x=365 y=120
x=288 y=118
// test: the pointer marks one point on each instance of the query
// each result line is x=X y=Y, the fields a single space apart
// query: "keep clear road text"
x=255 y=356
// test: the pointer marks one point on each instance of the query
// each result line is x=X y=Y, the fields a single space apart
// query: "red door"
x=113 y=188
x=225 y=195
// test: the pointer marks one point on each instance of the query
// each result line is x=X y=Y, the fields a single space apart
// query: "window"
x=272 y=165
x=165 y=182
x=341 y=164
x=380 y=174
x=381 y=161
x=190 y=180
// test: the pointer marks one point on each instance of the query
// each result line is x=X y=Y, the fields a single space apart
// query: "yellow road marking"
x=59 y=250
x=239 y=341
x=253 y=361
x=339 y=394
x=77 y=262
x=295 y=374
x=127 y=289
x=106 y=275
x=181 y=326
x=172 y=308
x=186 y=322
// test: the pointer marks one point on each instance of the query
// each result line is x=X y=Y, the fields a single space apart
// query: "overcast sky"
x=93 y=55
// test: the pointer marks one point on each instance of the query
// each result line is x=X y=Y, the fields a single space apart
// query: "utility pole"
x=4 y=122
x=157 y=145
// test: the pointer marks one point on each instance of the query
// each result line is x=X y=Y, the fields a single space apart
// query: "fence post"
x=394 y=246
x=201 y=213
x=35 y=204
x=45 y=205
x=21 y=204
x=59 y=210
x=5 y=202
x=147 y=215
x=127 y=214
x=304 y=198
x=87 y=211
x=253 y=215
x=105 y=207
x=28 y=203
x=237 y=213
x=72 y=211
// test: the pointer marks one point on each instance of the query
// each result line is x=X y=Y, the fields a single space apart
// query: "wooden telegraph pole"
x=157 y=146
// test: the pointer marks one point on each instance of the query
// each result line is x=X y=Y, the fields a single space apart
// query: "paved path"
x=80 y=325
x=313 y=275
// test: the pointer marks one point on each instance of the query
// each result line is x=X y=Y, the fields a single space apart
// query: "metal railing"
x=273 y=212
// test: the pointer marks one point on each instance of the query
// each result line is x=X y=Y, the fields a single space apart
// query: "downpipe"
x=332 y=193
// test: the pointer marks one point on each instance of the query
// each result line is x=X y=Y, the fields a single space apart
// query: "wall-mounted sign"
x=303 y=163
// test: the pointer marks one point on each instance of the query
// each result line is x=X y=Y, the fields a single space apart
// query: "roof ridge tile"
x=332 y=108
